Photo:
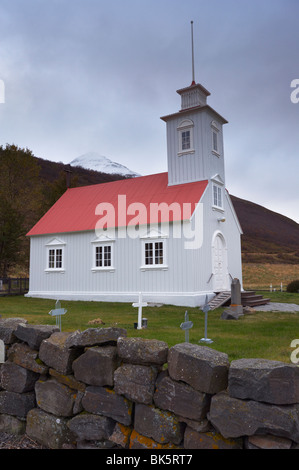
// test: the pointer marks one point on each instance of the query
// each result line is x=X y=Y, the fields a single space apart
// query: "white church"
x=174 y=236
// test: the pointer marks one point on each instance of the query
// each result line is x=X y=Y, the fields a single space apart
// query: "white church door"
x=219 y=263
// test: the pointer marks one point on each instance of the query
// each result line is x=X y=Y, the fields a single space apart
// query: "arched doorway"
x=219 y=263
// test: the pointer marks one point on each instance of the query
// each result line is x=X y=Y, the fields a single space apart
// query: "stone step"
x=248 y=299
x=255 y=302
x=251 y=299
x=252 y=296
x=248 y=293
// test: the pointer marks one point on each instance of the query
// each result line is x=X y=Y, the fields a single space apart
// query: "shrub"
x=293 y=286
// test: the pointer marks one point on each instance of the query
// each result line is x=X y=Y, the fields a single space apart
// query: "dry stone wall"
x=100 y=389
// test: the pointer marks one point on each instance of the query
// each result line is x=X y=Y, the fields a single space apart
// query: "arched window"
x=185 y=137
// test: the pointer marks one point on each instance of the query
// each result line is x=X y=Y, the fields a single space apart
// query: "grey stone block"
x=264 y=380
x=15 y=378
x=90 y=427
x=136 y=382
x=54 y=352
x=96 y=366
x=94 y=337
x=16 y=404
x=233 y=417
x=104 y=401
x=142 y=351
x=232 y=313
x=8 y=327
x=201 y=367
x=181 y=399
x=209 y=440
x=24 y=356
x=33 y=335
x=162 y=426
x=48 y=430
x=68 y=380
x=12 y=424
x=55 y=398
x=268 y=442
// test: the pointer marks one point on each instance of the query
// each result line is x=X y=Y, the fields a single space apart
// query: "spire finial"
x=193 y=73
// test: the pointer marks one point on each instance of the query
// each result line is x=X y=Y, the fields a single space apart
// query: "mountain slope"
x=50 y=171
x=97 y=162
x=268 y=237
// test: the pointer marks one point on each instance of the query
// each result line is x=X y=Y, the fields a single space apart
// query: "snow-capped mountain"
x=97 y=162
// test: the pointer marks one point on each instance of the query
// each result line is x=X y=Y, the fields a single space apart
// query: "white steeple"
x=194 y=136
x=192 y=96
x=195 y=94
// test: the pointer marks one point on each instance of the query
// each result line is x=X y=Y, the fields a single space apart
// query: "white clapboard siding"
x=201 y=164
x=187 y=273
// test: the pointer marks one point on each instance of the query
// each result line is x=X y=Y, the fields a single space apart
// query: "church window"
x=215 y=141
x=185 y=137
x=55 y=258
x=51 y=259
x=153 y=253
x=215 y=138
x=55 y=255
x=217 y=196
x=186 y=140
x=102 y=254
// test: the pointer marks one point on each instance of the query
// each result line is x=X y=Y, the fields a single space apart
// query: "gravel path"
x=277 y=307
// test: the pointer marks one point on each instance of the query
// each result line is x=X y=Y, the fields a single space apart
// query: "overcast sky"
x=95 y=75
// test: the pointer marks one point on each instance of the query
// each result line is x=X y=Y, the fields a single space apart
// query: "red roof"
x=76 y=209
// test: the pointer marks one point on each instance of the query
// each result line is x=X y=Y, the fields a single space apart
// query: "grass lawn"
x=260 y=335
x=261 y=275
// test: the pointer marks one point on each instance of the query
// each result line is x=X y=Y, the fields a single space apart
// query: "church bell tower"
x=194 y=137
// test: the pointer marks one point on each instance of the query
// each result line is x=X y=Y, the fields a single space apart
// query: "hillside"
x=50 y=171
x=268 y=237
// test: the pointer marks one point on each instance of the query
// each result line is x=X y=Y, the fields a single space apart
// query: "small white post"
x=140 y=312
x=205 y=309
x=139 y=304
